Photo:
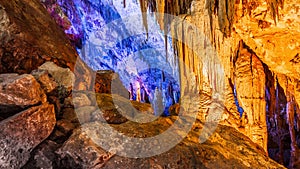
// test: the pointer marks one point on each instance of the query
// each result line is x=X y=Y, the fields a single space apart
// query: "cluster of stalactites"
x=163 y=7
x=225 y=11
x=293 y=118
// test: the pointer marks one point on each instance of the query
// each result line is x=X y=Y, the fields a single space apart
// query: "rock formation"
x=24 y=45
x=238 y=64
x=268 y=32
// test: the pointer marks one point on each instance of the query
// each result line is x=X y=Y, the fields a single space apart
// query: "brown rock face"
x=21 y=133
x=109 y=82
x=47 y=83
x=25 y=44
x=18 y=92
x=81 y=152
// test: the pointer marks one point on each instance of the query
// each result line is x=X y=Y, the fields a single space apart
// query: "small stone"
x=80 y=100
x=65 y=126
x=47 y=82
x=84 y=114
x=63 y=76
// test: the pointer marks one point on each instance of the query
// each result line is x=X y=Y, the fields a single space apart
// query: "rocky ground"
x=45 y=125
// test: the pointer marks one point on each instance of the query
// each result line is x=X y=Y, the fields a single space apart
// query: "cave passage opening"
x=109 y=36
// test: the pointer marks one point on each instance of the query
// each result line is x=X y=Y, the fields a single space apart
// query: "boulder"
x=21 y=133
x=47 y=82
x=18 y=92
x=24 y=41
x=79 y=151
x=107 y=81
x=30 y=37
x=80 y=99
x=63 y=76
x=226 y=148
x=43 y=156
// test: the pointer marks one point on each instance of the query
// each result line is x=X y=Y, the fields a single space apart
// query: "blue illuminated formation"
x=139 y=60
x=240 y=109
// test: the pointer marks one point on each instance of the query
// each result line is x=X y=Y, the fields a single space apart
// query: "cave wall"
x=257 y=47
x=24 y=45
x=257 y=43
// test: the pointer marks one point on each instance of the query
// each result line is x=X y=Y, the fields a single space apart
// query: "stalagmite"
x=250 y=87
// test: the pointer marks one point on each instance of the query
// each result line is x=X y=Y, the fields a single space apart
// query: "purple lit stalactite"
x=131 y=92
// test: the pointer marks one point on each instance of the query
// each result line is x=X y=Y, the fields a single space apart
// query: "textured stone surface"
x=24 y=131
x=80 y=99
x=266 y=30
x=18 y=92
x=32 y=46
x=116 y=109
x=47 y=83
x=63 y=76
x=25 y=45
x=227 y=148
x=79 y=151
x=268 y=61
x=250 y=80
x=109 y=82
x=43 y=156
x=110 y=110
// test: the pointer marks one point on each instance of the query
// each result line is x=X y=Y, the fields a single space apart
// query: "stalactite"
x=226 y=12
x=144 y=10
x=274 y=7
